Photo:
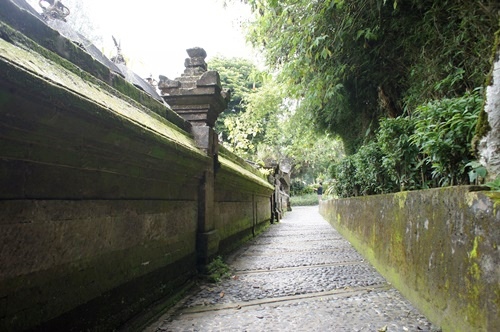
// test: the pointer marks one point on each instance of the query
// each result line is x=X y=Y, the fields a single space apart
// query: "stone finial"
x=195 y=64
x=196 y=52
x=197 y=95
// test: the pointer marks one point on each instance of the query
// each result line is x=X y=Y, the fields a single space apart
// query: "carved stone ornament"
x=197 y=95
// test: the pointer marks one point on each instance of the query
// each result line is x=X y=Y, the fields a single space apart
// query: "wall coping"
x=35 y=65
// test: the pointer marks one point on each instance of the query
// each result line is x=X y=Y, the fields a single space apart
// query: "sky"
x=154 y=34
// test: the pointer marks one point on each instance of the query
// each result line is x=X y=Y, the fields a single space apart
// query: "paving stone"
x=300 y=275
x=248 y=263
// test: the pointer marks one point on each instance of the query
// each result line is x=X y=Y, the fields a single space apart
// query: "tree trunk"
x=489 y=146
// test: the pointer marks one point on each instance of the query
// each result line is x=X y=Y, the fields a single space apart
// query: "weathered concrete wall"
x=439 y=247
x=99 y=198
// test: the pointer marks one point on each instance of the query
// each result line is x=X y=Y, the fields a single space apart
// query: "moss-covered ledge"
x=439 y=247
x=236 y=172
x=23 y=66
x=25 y=30
x=98 y=200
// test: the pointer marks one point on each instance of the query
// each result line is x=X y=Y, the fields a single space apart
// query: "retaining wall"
x=439 y=247
x=99 y=198
x=242 y=208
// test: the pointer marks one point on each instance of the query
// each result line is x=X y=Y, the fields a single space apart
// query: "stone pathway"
x=299 y=275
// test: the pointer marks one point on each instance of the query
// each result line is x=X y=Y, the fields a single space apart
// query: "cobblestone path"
x=300 y=275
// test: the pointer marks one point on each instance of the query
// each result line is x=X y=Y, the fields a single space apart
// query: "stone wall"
x=102 y=199
x=242 y=208
x=439 y=247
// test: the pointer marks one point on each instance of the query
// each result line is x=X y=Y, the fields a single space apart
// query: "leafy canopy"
x=240 y=76
x=268 y=127
x=351 y=62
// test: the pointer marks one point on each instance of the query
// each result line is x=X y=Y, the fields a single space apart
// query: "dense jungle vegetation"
x=371 y=96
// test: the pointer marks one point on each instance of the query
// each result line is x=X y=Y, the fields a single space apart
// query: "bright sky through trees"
x=155 y=34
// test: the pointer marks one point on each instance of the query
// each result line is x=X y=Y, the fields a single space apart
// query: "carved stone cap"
x=195 y=68
x=196 y=52
x=197 y=95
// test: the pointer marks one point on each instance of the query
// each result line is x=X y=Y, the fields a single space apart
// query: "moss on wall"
x=100 y=189
x=438 y=247
x=62 y=254
x=113 y=309
x=46 y=79
x=247 y=179
x=50 y=44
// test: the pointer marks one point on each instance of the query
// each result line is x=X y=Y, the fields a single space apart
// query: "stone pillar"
x=198 y=97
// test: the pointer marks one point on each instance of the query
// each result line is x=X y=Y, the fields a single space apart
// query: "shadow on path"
x=299 y=275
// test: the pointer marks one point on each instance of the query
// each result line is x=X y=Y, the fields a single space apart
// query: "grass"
x=218 y=270
x=304 y=200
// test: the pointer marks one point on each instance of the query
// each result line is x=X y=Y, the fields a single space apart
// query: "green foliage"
x=259 y=124
x=369 y=171
x=241 y=77
x=494 y=185
x=298 y=188
x=238 y=75
x=353 y=61
x=312 y=152
x=428 y=149
x=401 y=160
x=355 y=67
x=362 y=173
x=456 y=36
x=269 y=127
x=304 y=200
x=443 y=132
x=345 y=174
x=218 y=270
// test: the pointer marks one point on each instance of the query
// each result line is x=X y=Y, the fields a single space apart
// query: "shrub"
x=428 y=149
x=443 y=132
x=345 y=173
x=298 y=187
x=370 y=176
x=401 y=160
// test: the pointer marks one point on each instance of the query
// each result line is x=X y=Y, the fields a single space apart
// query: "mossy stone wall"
x=242 y=201
x=439 y=247
x=99 y=196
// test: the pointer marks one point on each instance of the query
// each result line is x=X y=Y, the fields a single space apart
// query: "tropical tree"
x=259 y=124
x=313 y=152
x=265 y=126
x=352 y=62
x=240 y=76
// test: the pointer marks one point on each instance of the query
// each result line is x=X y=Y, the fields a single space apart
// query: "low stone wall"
x=439 y=247
x=100 y=196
